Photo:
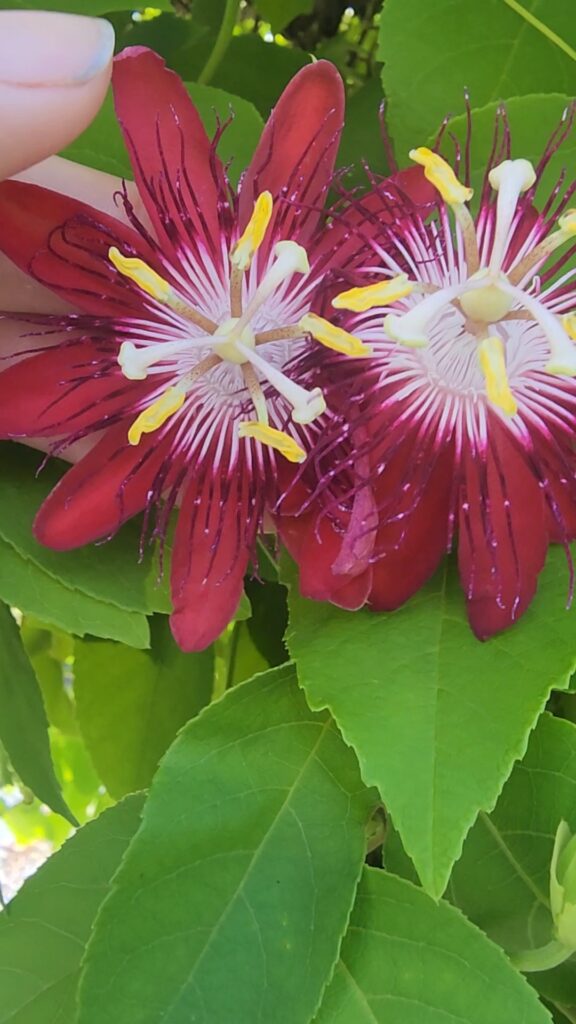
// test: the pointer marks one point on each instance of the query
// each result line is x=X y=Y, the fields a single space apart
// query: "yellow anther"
x=253 y=235
x=383 y=293
x=567 y=223
x=333 y=337
x=440 y=174
x=569 y=325
x=493 y=366
x=155 y=415
x=142 y=275
x=276 y=439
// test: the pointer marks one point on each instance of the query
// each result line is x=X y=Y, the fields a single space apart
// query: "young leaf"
x=130 y=704
x=45 y=928
x=23 y=723
x=236 y=891
x=406 y=958
x=437 y=718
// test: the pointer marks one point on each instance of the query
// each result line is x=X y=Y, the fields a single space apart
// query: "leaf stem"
x=222 y=42
x=542 y=959
x=541 y=27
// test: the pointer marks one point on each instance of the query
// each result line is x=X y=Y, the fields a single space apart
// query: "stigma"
x=190 y=344
x=493 y=281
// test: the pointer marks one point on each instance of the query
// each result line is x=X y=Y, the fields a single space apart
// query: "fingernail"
x=40 y=48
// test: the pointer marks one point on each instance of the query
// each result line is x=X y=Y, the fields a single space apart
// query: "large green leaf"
x=23 y=723
x=257 y=70
x=233 y=898
x=437 y=718
x=185 y=43
x=110 y=572
x=45 y=929
x=532 y=120
x=102 y=146
x=130 y=704
x=502 y=879
x=407 y=959
x=28 y=587
x=433 y=51
x=362 y=136
x=281 y=12
x=93 y=7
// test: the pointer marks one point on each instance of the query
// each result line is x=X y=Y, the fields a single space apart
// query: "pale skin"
x=54 y=73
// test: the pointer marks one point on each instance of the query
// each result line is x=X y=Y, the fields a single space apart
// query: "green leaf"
x=257 y=70
x=185 y=43
x=93 y=7
x=102 y=146
x=109 y=572
x=24 y=585
x=281 y=12
x=45 y=929
x=232 y=900
x=48 y=651
x=532 y=120
x=362 y=135
x=432 y=52
x=501 y=881
x=131 y=704
x=269 y=619
x=406 y=958
x=437 y=718
x=23 y=723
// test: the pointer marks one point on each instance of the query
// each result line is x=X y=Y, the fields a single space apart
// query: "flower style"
x=181 y=360
x=466 y=409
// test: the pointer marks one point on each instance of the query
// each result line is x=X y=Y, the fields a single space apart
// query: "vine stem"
x=222 y=41
x=540 y=26
x=542 y=959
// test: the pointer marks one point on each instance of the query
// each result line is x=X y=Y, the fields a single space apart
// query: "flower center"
x=485 y=295
x=234 y=340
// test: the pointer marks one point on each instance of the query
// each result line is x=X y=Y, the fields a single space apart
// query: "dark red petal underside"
x=105 y=489
x=64 y=244
x=214 y=539
x=503 y=537
x=315 y=544
x=412 y=547
x=63 y=390
x=174 y=164
x=295 y=156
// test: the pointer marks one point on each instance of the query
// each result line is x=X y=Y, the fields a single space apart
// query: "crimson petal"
x=503 y=536
x=214 y=539
x=64 y=244
x=174 y=163
x=105 y=489
x=58 y=392
x=295 y=157
x=412 y=545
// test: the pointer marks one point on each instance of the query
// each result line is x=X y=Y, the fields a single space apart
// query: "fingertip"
x=54 y=73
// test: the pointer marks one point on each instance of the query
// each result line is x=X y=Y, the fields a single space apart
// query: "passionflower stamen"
x=273 y=438
x=383 y=293
x=333 y=337
x=493 y=366
x=155 y=415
